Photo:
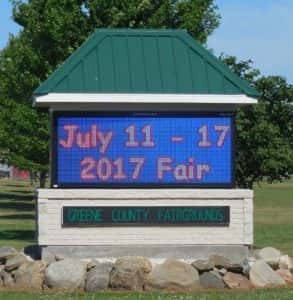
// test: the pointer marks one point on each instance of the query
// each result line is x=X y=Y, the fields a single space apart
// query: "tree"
x=51 y=31
x=24 y=131
x=199 y=17
x=264 y=140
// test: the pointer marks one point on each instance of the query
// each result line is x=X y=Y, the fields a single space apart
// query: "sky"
x=260 y=30
x=6 y=23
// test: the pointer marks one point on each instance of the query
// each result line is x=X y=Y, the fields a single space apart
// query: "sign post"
x=142 y=151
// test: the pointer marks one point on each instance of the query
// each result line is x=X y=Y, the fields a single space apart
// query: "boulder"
x=30 y=275
x=6 y=279
x=220 y=261
x=66 y=274
x=286 y=275
x=15 y=262
x=1 y=270
x=221 y=271
x=262 y=275
x=286 y=263
x=203 y=265
x=173 y=274
x=91 y=264
x=246 y=265
x=270 y=255
x=236 y=281
x=7 y=252
x=212 y=280
x=129 y=273
x=98 y=278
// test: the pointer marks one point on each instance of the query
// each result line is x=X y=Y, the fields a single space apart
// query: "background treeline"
x=53 y=29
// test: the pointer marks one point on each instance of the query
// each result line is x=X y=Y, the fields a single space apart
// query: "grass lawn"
x=273 y=220
x=260 y=294
x=17 y=217
x=273 y=216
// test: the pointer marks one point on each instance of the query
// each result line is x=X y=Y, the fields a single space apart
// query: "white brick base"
x=51 y=201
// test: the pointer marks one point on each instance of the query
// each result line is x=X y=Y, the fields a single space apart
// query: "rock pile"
x=266 y=268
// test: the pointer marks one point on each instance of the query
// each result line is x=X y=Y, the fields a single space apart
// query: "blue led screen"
x=143 y=150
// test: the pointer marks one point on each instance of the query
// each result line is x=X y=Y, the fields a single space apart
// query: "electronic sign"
x=142 y=150
x=145 y=216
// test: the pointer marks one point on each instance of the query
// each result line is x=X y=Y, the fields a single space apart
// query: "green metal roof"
x=143 y=61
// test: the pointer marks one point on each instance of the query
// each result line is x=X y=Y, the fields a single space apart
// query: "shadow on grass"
x=7 y=196
x=19 y=235
x=21 y=192
x=17 y=206
x=15 y=185
x=18 y=217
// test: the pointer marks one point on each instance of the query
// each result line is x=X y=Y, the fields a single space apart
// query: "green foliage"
x=264 y=139
x=24 y=131
x=197 y=16
x=25 y=136
x=51 y=31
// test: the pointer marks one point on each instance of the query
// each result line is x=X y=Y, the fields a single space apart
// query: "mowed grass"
x=273 y=226
x=273 y=216
x=17 y=213
x=257 y=294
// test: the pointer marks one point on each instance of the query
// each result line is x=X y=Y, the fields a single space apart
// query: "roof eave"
x=51 y=99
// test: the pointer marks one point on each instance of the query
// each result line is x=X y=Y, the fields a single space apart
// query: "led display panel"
x=131 y=150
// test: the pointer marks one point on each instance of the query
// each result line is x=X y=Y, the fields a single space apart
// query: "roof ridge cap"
x=140 y=30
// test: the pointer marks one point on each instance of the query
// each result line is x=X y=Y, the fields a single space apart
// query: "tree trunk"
x=32 y=178
x=43 y=176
